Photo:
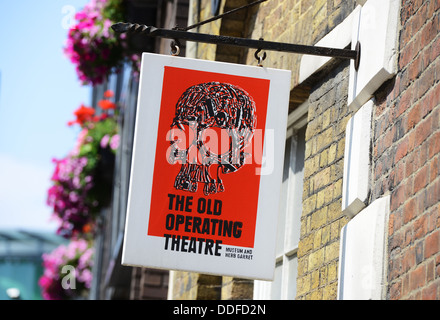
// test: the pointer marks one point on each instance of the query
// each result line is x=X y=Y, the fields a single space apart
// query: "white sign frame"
x=140 y=249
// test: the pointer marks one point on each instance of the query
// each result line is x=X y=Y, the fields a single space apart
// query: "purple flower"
x=104 y=141
x=114 y=142
x=77 y=254
x=90 y=37
x=68 y=195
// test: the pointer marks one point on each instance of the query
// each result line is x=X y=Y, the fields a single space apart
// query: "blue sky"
x=39 y=91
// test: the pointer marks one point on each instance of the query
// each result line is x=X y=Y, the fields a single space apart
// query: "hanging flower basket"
x=82 y=182
x=91 y=45
x=67 y=271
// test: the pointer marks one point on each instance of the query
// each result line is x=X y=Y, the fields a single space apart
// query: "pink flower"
x=79 y=142
x=67 y=196
x=77 y=254
x=104 y=141
x=114 y=142
x=90 y=43
x=80 y=15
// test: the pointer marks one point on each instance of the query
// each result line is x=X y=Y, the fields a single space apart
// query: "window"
x=286 y=265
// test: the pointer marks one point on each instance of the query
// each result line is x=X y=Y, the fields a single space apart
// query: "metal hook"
x=260 y=58
x=175 y=47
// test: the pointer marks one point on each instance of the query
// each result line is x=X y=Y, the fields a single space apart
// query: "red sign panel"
x=205 y=184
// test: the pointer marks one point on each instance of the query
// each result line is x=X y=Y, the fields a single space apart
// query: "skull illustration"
x=203 y=110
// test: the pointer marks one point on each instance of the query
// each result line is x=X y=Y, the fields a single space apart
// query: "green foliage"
x=114 y=10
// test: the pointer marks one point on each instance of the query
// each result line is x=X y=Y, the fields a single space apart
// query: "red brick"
x=395 y=242
x=434 y=168
x=402 y=150
x=409 y=210
x=433 y=218
x=422 y=153
x=433 y=97
x=419 y=247
x=404 y=83
x=419 y=135
x=435 y=49
x=397 y=197
x=409 y=8
x=399 y=173
x=435 y=5
x=405 y=54
x=413 y=117
x=420 y=227
x=412 y=140
x=408 y=240
x=395 y=268
x=380 y=108
x=432 y=244
x=432 y=194
x=378 y=169
x=408 y=259
x=395 y=291
x=406 y=14
x=425 y=82
x=405 y=285
x=438 y=217
x=391 y=224
x=421 y=179
x=429 y=102
x=409 y=163
x=430 y=270
x=410 y=20
x=417 y=277
x=425 y=56
x=421 y=18
x=409 y=183
x=405 y=100
x=430 y=292
x=429 y=31
x=415 y=67
x=387 y=139
x=434 y=145
x=437 y=264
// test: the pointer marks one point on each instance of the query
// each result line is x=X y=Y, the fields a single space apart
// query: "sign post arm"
x=241 y=42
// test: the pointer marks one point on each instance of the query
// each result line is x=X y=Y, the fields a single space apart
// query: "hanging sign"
x=206 y=167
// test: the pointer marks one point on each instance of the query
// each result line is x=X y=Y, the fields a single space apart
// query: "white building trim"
x=362 y=263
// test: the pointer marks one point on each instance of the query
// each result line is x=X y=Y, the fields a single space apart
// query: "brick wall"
x=149 y=284
x=301 y=22
x=295 y=21
x=237 y=289
x=291 y=21
x=406 y=161
x=322 y=219
x=202 y=11
x=195 y=286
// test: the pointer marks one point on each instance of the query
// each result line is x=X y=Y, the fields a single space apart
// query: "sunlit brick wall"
x=322 y=218
x=406 y=160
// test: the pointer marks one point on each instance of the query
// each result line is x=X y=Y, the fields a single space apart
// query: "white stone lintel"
x=355 y=186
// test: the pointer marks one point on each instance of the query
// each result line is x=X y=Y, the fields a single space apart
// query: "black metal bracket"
x=241 y=42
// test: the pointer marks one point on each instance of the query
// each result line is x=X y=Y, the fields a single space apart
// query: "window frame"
x=283 y=287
